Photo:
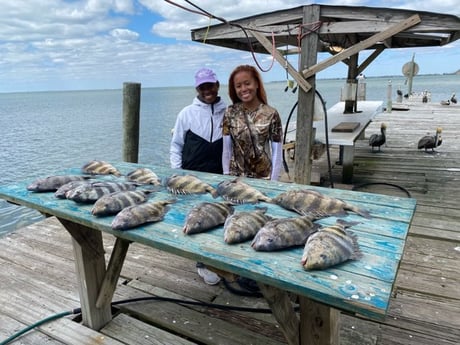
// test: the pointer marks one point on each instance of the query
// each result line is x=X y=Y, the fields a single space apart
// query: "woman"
x=252 y=130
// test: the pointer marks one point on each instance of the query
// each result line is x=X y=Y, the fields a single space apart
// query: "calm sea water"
x=43 y=132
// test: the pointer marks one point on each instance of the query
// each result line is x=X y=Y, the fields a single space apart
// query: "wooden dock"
x=38 y=274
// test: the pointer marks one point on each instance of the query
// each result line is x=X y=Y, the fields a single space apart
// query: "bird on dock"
x=445 y=102
x=377 y=140
x=453 y=99
x=430 y=141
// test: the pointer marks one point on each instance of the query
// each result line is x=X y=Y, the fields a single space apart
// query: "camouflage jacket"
x=251 y=133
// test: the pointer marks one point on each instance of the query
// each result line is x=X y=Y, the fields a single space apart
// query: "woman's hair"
x=261 y=94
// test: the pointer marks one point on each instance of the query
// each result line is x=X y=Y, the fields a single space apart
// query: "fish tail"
x=357 y=254
x=346 y=223
x=361 y=212
x=214 y=193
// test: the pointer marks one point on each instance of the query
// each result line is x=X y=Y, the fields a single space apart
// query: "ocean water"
x=44 y=132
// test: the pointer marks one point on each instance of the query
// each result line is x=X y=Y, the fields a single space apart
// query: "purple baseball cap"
x=205 y=75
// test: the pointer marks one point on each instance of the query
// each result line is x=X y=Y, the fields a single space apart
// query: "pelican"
x=445 y=102
x=453 y=99
x=378 y=139
x=430 y=141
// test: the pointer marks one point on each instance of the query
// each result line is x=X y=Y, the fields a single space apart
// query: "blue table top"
x=363 y=286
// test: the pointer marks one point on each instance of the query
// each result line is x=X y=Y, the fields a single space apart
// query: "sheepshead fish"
x=206 y=215
x=89 y=193
x=61 y=191
x=136 y=215
x=144 y=176
x=52 y=183
x=114 y=202
x=330 y=246
x=284 y=233
x=240 y=192
x=310 y=202
x=96 y=167
x=243 y=226
x=188 y=184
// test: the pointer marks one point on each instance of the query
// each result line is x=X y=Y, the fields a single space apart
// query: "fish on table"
x=90 y=192
x=283 y=233
x=61 y=191
x=98 y=167
x=206 y=216
x=136 y=215
x=143 y=176
x=244 y=225
x=330 y=246
x=239 y=192
x=54 y=182
x=188 y=184
x=113 y=203
x=310 y=202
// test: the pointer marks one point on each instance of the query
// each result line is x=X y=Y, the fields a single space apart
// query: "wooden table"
x=359 y=287
x=367 y=110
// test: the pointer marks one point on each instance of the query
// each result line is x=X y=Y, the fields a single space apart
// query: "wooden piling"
x=131 y=116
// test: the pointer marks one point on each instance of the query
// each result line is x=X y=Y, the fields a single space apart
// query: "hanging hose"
x=133 y=300
x=323 y=103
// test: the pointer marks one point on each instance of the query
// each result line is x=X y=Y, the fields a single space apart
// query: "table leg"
x=319 y=324
x=347 y=163
x=283 y=311
x=90 y=266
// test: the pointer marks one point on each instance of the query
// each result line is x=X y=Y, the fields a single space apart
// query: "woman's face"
x=245 y=86
x=208 y=92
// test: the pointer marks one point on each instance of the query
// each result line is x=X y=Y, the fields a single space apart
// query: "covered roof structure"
x=342 y=31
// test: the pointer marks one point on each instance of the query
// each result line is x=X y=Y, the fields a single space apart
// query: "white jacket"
x=204 y=120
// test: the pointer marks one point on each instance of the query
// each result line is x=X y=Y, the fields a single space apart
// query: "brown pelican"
x=453 y=99
x=378 y=139
x=430 y=141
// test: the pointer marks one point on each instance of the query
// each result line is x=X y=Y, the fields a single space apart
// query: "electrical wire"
x=357 y=187
x=77 y=311
x=326 y=135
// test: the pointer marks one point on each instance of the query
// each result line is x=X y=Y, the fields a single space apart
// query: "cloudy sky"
x=100 y=44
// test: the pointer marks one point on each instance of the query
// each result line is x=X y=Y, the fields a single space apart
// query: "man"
x=196 y=143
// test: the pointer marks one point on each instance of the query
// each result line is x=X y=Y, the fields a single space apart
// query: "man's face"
x=208 y=92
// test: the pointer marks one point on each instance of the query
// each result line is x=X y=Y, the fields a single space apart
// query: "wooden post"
x=131 y=111
x=304 y=127
x=350 y=104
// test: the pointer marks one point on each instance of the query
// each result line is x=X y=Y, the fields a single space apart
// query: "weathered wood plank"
x=132 y=331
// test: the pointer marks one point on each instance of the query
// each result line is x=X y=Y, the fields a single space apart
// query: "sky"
x=101 y=44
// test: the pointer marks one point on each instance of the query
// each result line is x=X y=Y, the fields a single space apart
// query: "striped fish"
x=114 y=202
x=61 y=192
x=206 y=215
x=136 y=215
x=284 y=233
x=144 y=176
x=188 y=184
x=240 y=192
x=52 y=183
x=96 y=167
x=310 y=202
x=89 y=193
x=330 y=246
x=243 y=226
